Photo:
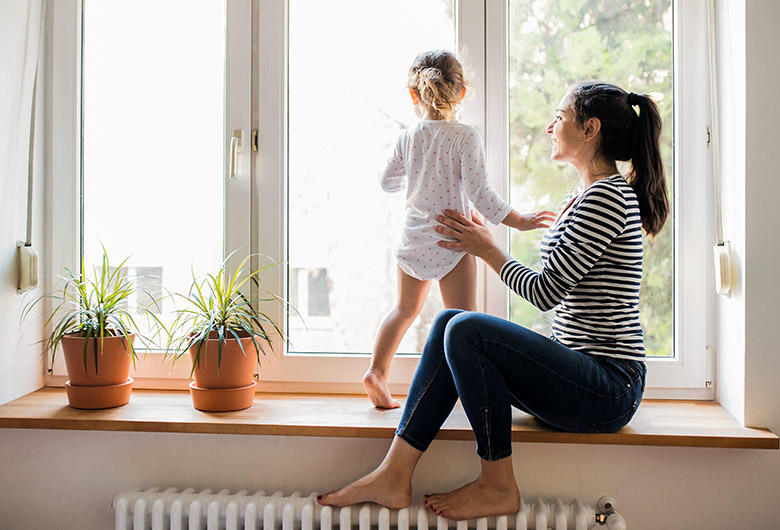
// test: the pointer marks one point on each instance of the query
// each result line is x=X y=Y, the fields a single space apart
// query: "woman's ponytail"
x=628 y=135
x=647 y=175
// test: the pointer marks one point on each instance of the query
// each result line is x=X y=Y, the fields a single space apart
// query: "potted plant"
x=224 y=333
x=92 y=322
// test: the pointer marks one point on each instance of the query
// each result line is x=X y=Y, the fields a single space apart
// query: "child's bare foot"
x=381 y=486
x=378 y=392
x=474 y=500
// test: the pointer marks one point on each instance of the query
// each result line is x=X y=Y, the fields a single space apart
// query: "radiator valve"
x=608 y=515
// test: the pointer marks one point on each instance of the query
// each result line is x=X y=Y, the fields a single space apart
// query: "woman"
x=590 y=375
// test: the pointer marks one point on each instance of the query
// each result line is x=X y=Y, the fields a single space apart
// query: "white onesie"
x=442 y=164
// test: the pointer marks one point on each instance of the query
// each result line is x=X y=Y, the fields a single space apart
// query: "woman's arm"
x=478 y=238
x=599 y=218
x=472 y=236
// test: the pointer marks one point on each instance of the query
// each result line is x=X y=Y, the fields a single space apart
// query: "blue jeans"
x=492 y=364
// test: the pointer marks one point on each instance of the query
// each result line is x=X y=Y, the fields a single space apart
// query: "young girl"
x=441 y=163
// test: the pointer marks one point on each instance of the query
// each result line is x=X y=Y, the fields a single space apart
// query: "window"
x=142 y=112
x=648 y=47
x=347 y=104
x=152 y=130
x=553 y=44
x=329 y=101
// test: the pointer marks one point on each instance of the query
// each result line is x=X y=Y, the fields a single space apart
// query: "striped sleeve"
x=598 y=218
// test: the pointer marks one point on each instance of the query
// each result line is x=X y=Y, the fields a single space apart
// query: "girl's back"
x=442 y=165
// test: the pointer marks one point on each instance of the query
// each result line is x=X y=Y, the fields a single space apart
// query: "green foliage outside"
x=553 y=44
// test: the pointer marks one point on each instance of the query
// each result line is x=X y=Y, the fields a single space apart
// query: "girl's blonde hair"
x=437 y=78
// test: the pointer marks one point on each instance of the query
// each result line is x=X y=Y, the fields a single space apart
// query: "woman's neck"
x=595 y=171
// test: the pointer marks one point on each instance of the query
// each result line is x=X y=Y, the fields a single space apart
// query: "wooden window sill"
x=657 y=423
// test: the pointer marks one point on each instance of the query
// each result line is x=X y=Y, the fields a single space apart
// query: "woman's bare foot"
x=493 y=493
x=378 y=392
x=390 y=484
x=474 y=500
x=381 y=486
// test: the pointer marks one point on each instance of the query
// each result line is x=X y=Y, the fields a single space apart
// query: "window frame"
x=689 y=374
x=258 y=202
x=64 y=222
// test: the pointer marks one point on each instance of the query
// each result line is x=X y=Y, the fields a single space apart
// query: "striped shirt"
x=591 y=270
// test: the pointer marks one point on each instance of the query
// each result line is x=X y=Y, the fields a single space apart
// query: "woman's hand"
x=471 y=236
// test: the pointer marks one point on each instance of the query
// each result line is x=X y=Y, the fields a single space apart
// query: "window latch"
x=235 y=148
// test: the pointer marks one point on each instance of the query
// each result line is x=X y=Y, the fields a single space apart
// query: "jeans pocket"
x=616 y=423
x=630 y=372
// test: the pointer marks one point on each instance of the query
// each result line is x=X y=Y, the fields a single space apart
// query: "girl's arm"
x=529 y=221
x=393 y=176
x=474 y=174
x=482 y=195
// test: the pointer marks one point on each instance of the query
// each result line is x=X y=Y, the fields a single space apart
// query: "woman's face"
x=568 y=139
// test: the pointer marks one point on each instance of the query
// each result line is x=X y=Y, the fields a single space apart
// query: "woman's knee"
x=436 y=334
x=443 y=318
x=463 y=333
x=467 y=332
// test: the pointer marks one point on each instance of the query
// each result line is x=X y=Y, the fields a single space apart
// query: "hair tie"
x=633 y=99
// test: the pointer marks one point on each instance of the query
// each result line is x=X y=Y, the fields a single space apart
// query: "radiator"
x=156 y=509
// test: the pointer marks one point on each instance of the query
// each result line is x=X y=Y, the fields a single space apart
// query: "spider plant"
x=217 y=308
x=93 y=307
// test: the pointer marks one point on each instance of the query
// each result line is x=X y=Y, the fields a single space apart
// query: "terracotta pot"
x=236 y=369
x=99 y=397
x=222 y=399
x=113 y=360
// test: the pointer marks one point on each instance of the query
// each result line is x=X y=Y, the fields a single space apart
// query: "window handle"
x=235 y=148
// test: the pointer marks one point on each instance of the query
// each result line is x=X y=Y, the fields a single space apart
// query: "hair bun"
x=431 y=72
x=437 y=77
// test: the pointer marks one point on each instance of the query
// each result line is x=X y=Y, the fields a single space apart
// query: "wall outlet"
x=27 y=265
x=723 y=268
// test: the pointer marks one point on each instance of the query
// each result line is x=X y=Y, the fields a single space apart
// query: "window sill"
x=657 y=423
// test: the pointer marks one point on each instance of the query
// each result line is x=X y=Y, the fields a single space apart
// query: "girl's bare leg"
x=389 y=485
x=412 y=293
x=459 y=287
x=493 y=493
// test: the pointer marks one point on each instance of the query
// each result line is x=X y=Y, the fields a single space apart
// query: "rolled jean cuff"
x=402 y=434
x=497 y=456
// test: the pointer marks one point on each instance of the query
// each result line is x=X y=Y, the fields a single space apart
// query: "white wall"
x=730 y=354
x=20 y=365
x=66 y=479
x=762 y=288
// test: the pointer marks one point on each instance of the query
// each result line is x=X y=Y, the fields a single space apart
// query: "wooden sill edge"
x=657 y=423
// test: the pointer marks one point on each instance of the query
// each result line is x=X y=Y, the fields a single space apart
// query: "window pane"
x=153 y=136
x=555 y=44
x=347 y=106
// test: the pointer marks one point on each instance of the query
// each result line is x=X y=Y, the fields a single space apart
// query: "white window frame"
x=324 y=372
x=689 y=374
x=258 y=202
x=63 y=221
